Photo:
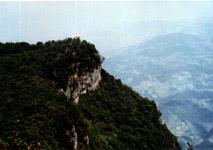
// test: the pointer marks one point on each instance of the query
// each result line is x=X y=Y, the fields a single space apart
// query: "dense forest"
x=35 y=115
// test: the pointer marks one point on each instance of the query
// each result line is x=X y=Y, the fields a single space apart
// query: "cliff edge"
x=55 y=95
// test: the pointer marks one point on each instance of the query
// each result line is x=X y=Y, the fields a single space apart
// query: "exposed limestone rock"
x=86 y=139
x=73 y=137
x=78 y=85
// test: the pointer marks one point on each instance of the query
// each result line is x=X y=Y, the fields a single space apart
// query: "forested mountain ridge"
x=55 y=95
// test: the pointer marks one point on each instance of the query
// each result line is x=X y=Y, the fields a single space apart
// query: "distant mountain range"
x=175 y=70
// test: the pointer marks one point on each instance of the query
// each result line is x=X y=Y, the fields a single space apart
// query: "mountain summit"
x=55 y=95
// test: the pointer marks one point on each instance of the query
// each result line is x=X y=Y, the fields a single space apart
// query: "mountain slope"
x=53 y=97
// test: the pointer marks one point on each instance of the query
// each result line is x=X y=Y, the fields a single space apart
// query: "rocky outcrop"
x=86 y=139
x=73 y=136
x=78 y=85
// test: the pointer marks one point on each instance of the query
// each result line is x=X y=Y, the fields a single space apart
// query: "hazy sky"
x=100 y=22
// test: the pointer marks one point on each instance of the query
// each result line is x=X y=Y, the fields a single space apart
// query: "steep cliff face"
x=81 y=84
x=76 y=86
